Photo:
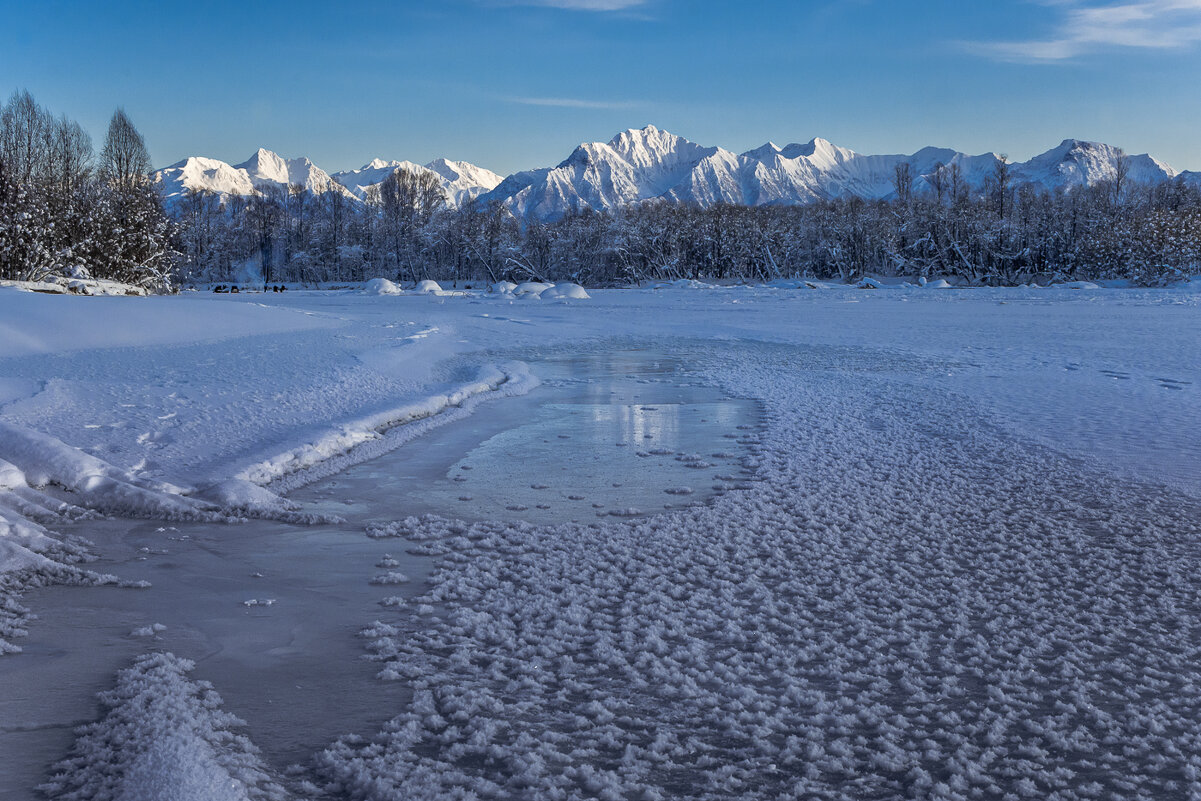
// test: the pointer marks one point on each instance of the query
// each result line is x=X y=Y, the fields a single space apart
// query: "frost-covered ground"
x=965 y=566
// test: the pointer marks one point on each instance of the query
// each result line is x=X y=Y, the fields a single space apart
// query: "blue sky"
x=514 y=84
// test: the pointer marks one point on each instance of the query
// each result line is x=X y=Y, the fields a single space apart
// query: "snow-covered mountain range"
x=462 y=182
x=648 y=163
x=265 y=171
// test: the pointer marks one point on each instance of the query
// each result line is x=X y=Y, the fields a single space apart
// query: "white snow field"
x=889 y=543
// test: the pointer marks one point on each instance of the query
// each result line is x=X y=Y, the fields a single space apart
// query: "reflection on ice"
x=603 y=435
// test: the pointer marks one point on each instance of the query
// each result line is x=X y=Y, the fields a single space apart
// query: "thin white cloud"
x=1089 y=27
x=572 y=102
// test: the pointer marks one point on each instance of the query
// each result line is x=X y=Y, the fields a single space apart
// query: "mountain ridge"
x=643 y=164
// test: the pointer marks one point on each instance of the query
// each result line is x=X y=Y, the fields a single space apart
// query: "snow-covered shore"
x=921 y=444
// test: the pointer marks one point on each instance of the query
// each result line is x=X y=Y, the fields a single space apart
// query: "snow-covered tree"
x=26 y=253
x=124 y=160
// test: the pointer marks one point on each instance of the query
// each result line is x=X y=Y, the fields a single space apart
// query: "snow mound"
x=566 y=291
x=380 y=286
x=531 y=288
x=503 y=288
x=427 y=287
x=245 y=498
x=11 y=476
x=163 y=737
x=941 y=283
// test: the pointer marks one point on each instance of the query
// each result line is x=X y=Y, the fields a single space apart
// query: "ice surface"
x=271 y=612
x=962 y=565
x=606 y=435
x=907 y=603
x=289 y=667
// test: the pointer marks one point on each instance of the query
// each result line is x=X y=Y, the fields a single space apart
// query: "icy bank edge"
x=375 y=435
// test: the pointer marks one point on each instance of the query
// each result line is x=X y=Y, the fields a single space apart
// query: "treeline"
x=1001 y=235
x=66 y=211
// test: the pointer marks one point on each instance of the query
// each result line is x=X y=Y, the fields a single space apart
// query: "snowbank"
x=427 y=287
x=41 y=324
x=44 y=460
x=76 y=286
x=331 y=451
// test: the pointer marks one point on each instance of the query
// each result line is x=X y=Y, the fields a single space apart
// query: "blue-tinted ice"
x=613 y=434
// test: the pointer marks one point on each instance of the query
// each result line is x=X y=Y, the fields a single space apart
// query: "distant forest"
x=66 y=211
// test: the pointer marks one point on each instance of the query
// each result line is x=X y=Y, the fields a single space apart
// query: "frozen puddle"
x=608 y=435
x=271 y=612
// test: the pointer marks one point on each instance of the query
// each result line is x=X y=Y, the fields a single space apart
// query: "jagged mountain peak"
x=644 y=147
x=765 y=151
x=264 y=162
x=380 y=164
x=1078 y=162
x=450 y=169
x=461 y=181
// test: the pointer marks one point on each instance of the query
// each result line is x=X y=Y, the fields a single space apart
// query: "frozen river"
x=949 y=550
x=271 y=612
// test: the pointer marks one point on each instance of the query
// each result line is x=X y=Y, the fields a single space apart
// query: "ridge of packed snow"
x=374 y=435
x=163 y=737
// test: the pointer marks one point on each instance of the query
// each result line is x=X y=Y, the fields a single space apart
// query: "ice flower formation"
x=907 y=602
